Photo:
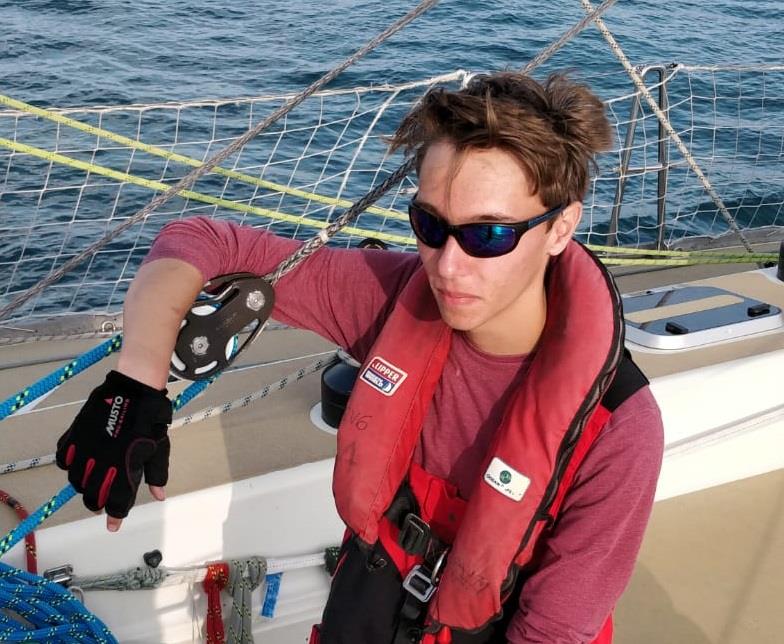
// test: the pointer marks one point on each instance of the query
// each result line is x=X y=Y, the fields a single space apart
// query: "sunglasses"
x=476 y=240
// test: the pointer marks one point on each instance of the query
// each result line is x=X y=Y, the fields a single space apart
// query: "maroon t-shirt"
x=345 y=295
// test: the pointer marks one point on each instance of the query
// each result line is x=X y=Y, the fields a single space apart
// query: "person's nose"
x=452 y=259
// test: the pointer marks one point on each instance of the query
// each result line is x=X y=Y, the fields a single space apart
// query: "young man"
x=497 y=462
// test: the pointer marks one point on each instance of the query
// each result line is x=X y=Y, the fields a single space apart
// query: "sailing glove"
x=118 y=435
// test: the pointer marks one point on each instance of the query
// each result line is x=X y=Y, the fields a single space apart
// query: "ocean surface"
x=87 y=52
x=69 y=53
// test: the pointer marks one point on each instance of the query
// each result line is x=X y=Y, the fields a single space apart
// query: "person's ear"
x=563 y=228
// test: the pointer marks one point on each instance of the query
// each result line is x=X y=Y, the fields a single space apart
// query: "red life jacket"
x=548 y=427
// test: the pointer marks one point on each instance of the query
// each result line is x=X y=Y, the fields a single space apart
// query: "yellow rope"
x=626 y=250
x=729 y=259
x=652 y=257
x=180 y=158
x=54 y=157
x=609 y=253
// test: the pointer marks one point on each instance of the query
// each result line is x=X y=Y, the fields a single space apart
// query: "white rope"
x=209 y=412
x=671 y=72
x=217 y=410
x=638 y=82
x=174 y=575
x=28 y=464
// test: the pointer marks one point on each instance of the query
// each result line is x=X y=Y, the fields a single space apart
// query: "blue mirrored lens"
x=487 y=240
x=429 y=229
x=477 y=240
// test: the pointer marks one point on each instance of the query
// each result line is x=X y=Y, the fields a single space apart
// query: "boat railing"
x=663 y=158
x=69 y=175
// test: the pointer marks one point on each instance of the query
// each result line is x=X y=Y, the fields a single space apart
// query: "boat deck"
x=711 y=568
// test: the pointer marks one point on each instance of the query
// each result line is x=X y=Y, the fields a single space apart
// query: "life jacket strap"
x=420 y=582
x=415 y=536
x=417 y=539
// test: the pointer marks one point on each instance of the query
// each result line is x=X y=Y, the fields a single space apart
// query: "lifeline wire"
x=567 y=36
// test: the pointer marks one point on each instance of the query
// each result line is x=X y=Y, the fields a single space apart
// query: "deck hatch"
x=683 y=317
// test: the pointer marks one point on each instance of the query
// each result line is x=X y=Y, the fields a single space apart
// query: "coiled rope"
x=57 y=616
x=244 y=577
x=239 y=577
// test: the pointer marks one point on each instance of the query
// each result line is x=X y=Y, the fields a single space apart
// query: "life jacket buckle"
x=419 y=584
x=414 y=535
x=422 y=582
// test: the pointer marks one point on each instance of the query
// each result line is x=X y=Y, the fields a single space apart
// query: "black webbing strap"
x=416 y=538
x=628 y=381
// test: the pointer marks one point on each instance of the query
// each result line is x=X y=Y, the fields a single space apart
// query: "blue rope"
x=193 y=390
x=39 y=516
x=52 y=613
x=56 y=378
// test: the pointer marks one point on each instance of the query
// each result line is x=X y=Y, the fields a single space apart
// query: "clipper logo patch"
x=383 y=376
x=506 y=480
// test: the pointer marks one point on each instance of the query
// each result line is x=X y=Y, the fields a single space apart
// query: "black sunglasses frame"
x=520 y=228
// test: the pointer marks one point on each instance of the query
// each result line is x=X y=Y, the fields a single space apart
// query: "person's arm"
x=588 y=559
x=162 y=291
x=344 y=295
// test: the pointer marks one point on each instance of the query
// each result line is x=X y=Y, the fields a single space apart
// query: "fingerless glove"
x=119 y=435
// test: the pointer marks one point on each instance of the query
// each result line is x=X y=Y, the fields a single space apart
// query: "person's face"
x=489 y=298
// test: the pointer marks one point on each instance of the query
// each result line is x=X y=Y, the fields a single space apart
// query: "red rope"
x=215 y=581
x=32 y=563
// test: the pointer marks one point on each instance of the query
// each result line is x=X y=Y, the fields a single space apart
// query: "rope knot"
x=215 y=581
x=245 y=575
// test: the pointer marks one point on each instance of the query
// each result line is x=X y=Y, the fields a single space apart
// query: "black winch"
x=337 y=383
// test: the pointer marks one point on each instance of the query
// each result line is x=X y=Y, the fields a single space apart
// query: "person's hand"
x=118 y=435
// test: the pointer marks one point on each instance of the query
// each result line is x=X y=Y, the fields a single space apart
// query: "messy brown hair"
x=552 y=129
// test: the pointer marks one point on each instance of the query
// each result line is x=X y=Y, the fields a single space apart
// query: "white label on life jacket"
x=506 y=480
x=383 y=376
